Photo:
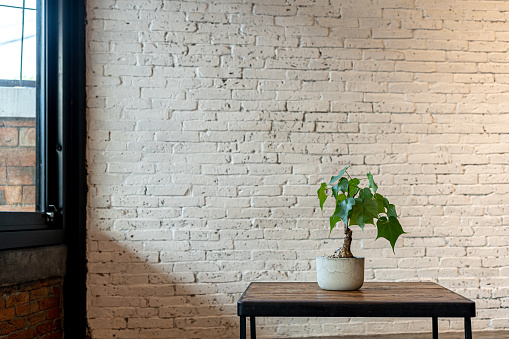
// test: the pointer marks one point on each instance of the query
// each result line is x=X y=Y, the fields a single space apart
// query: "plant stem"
x=348 y=174
x=344 y=252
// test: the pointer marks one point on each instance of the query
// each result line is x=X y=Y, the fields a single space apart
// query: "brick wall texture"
x=31 y=310
x=17 y=164
x=211 y=124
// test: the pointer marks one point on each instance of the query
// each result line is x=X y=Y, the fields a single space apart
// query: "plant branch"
x=348 y=175
x=345 y=252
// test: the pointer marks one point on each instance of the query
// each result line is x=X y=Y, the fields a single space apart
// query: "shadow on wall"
x=138 y=290
x=135 y=295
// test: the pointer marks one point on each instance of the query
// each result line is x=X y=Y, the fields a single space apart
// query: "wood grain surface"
x=370 y=292
x=399 y=299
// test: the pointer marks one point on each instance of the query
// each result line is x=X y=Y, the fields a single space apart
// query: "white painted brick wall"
x=211 y=123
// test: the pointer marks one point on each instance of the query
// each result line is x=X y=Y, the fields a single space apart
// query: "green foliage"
x=341 y=173
x=353 y=186
x=389 y=229
x=322 y=195
x=361 y=206
x=372 y=184
x=363 y=212
x=343 y=209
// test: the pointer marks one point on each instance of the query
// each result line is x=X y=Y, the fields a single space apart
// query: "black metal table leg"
x=468 y=328
x=435 y=327
x=242 y=327
x=252 y=325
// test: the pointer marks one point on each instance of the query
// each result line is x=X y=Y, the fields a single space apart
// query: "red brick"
x=25 y=334
x=38 y=293
x=12 y=194
x=22 y=310
x=35 y=285
x=17 y=299
x=3 y=175
x=7 y=208
x=36 y=318
x=53 y=313
x=28 y=195
x=8 y=136
x=17 y=157
x=48 y=326
x=50 y=302
x=56 y=335
x=3 y=201
x=56 y=290
x=2 y=302
x=11 y=326
x=7 y=314
x=51 y=282
x=34 y=306
x=21 y=175
x=20 y=123
x=27 y=137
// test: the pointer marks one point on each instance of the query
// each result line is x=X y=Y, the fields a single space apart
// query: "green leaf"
x=370 y=210
x=365 y=193
x=386 y=203
x=391 y=211
x=379 y=199
x=372 y=184
x=322 y=196
x=353 y=186
x=340 y=198
x=389 y=229
x=343 y=185
x=363 y=212
x=343 y=208
x=333 y=221
x=334 y=179
x=335 y=190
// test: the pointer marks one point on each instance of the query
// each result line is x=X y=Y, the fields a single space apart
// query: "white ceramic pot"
x=340 y=274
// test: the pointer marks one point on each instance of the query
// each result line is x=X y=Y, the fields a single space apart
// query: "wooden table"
x=374 y=299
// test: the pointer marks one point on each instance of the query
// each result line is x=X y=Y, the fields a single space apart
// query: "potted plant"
x=354 y=206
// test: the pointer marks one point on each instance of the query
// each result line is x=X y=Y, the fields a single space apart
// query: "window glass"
x=18 y=91
x=30 y=4
x=29 y=61
x=13 y=3
x=11 y=20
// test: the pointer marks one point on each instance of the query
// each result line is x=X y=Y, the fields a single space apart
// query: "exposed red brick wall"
x=32 y=310
x=17 y=164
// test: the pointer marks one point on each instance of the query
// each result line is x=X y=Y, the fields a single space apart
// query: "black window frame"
x=60 y=129
x=61 y=165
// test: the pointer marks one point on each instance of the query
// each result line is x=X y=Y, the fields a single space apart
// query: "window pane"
x=30 y=4
x=10 y=42
x=15 y=3
x=17 y=108
x=29 y=46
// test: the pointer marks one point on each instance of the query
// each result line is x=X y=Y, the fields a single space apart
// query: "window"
x=41 y=121
x=56 y=211
x=18 y=93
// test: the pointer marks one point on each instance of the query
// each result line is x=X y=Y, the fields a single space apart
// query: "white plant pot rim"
x=333 y=258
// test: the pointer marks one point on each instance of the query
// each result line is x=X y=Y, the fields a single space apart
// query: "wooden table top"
x=374 y=299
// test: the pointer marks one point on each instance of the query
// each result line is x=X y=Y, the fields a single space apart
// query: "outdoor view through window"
x=18 y=91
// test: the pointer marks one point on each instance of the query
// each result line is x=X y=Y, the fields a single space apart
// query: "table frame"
x=249 y=306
